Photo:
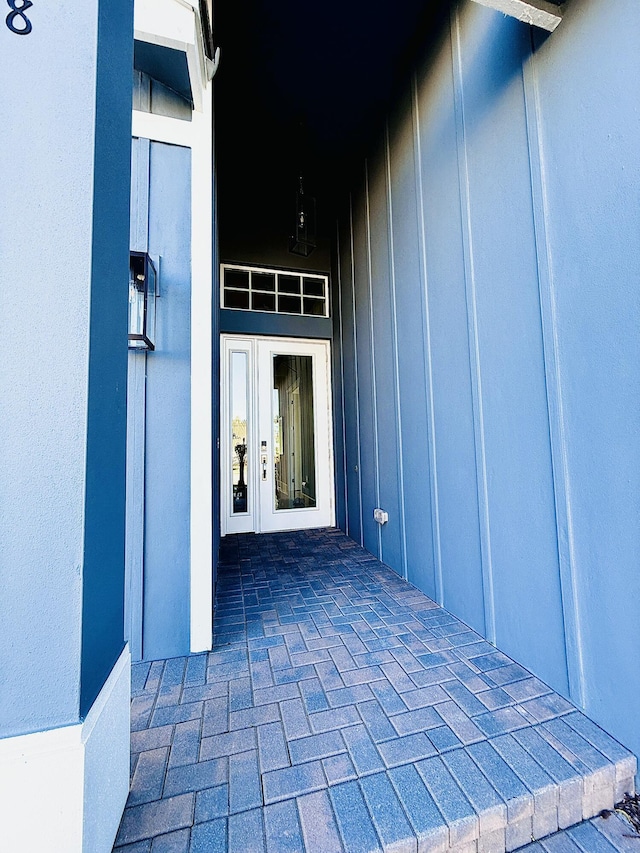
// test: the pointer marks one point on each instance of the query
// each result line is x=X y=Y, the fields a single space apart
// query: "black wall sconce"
x=303 y=239
x=142 y=301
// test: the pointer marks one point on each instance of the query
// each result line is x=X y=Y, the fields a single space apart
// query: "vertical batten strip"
x=396 y=373
x=553 y=382
x=355 y=362
x=136 y=417
x=427 y=351
x=374 y=396
x=338 y=302
x=472 y=326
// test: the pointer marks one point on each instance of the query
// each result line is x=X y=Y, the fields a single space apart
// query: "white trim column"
x=201 y=627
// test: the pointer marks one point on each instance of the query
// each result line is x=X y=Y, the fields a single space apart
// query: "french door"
x=276 y=427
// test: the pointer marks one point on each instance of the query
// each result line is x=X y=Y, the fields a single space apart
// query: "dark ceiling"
x=302 y=87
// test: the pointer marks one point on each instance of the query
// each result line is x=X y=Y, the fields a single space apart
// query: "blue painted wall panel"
x=365 y=355
x=59 y=212
x=264 y=323
x=411 y=336
x=590 y=147
x=337 y=399
x=515 y=425
x=455 y=463
x=385 y=379
x=167 y=475
x=103 y=574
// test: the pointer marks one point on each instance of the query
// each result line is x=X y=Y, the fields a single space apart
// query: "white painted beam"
x=175 y=24
x=538 y=13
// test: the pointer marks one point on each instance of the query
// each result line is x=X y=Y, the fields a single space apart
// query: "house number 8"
x=17 y=21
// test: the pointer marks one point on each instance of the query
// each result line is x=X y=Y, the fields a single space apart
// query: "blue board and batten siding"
x=161 y=215
x=168 y=406
x=488 y=268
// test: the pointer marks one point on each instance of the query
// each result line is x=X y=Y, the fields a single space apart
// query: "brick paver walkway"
x=342 y=710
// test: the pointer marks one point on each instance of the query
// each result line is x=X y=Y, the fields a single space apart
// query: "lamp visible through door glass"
x=303 y=239
x=142 y=301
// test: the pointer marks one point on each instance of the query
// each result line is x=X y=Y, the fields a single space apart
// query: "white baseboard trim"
x=63 y=790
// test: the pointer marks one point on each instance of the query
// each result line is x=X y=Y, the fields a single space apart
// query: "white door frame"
x=261 y=516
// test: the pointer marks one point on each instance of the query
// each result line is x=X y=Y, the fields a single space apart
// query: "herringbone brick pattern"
x=343 y=710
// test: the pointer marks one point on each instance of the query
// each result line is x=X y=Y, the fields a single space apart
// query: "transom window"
x=279 y=291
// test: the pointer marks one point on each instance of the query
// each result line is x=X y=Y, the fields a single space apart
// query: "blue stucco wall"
x=104 y=512
x=57 y=272
x=488 y=266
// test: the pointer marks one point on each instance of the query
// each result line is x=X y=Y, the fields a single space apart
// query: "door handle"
x=263 y=459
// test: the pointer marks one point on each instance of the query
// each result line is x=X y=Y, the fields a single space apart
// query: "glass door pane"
x=294 y=465
x=239 y=395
